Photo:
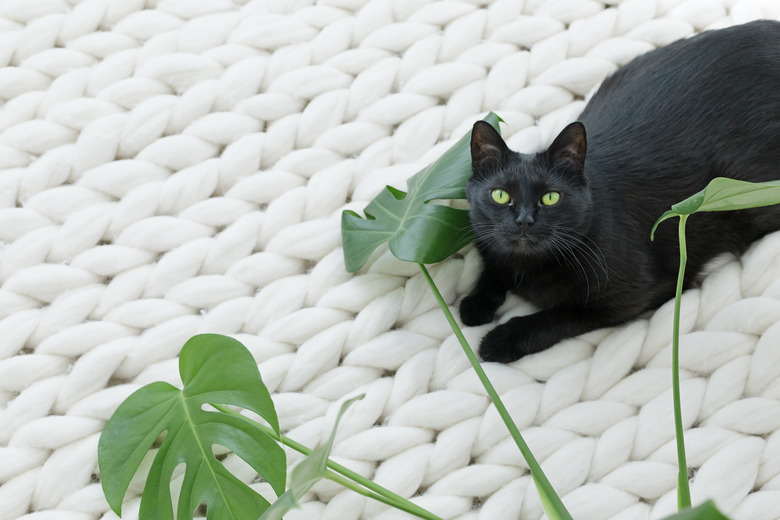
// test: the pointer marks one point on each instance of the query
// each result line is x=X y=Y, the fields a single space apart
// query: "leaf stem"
x=552 y=503
x=403 y=505
x=380 y=493
x=345 y=476
x=683 y=490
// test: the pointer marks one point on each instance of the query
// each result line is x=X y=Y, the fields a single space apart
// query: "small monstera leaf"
x=215 y=370
x=417 y=231
x=723 y=194
x=307 y=472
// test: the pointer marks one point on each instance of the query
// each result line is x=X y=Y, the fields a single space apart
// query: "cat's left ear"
x=570 y=145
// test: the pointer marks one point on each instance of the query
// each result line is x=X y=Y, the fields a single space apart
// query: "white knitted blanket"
x=174 y=167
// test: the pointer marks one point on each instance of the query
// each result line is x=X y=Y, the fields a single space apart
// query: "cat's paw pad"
x=474 y=311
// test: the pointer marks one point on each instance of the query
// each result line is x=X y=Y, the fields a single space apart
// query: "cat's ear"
x=570 y=146
x=488 y=148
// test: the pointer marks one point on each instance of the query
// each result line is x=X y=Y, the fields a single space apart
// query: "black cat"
x=569 y=230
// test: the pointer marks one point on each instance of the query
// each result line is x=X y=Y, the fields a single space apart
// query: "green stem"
x=344 y=476
x=552 y=503
x=402 y=504
x=381 y=494
x=683 y=490
x=357 y=488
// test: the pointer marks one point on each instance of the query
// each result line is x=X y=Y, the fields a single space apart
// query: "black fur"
x=658 y=130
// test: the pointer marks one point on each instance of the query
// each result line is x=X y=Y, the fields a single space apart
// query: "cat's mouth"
x=524 y=236
x=524 y=243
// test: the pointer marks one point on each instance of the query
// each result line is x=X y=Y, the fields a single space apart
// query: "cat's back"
x=725 y=77
x=674 y=118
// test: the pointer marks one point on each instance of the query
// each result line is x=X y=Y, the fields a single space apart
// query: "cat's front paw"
x=500 y=345
x=475 y=311
x=511 y=340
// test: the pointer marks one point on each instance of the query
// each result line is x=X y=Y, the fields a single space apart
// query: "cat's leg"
x=525 y=335
x=481 y=305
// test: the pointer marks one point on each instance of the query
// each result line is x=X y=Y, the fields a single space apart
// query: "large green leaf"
x=306 y=473
x=706 y=511
x=214 y=369
x=417 y=231
x=723 y=194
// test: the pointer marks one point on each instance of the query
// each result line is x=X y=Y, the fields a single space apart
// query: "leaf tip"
x=667 y=215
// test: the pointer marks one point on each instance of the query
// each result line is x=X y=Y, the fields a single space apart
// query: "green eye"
x=500 y=196
x=551 y=198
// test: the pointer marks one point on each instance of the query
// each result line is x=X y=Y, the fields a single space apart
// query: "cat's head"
x=528 y=205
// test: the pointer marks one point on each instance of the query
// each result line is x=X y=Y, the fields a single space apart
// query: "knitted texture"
x=175 y=167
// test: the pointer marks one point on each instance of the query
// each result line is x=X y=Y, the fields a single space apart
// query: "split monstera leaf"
x=215 y=370
x=415 y=229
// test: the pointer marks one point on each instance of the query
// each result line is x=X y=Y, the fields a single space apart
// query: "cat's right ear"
x=488 y=149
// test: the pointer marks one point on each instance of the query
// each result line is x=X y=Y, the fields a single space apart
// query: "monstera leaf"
x=307 y=472
x=417 y=230
x=215 y=370
x=723 y=194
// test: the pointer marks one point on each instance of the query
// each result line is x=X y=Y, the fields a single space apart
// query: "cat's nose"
x=525 y=219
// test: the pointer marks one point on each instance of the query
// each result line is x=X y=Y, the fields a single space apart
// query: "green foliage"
x=720 y=194
x=706 y=511
x=214 y=369
x=723 y=194
x=306 y=473
x=417 y=231
x=217 y=371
